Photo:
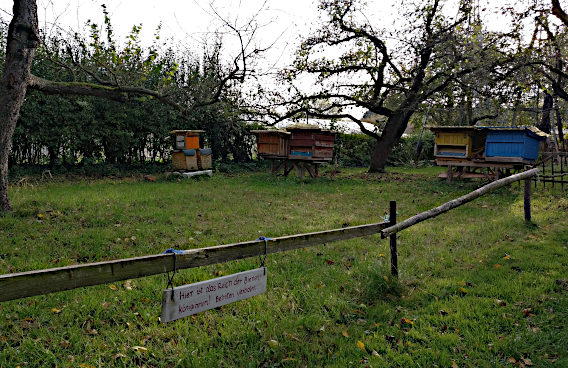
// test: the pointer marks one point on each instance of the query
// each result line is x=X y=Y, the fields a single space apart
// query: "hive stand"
x=300 y=165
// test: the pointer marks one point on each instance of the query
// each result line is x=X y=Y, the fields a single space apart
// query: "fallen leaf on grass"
x=105 y=304
x=463 y=290
x=272 y=343
x=381 y=255
x=127 y=284
x=361 y=346
x=528 y=313
x=85 y=365
x=139 y=349
x=497 y=266
x=345 y=333
x=113 y=287
x=462 y=283
x=386 y=278
x=527 y=361
x=375 y=354
x=116 y=356
x=507 y=256
x=512 y=360
x=288 y=360
x=55 y=310
x=454 y=365
x=145 y=300
x=329 y=262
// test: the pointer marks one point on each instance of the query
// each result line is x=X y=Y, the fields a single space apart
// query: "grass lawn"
x=478 y=286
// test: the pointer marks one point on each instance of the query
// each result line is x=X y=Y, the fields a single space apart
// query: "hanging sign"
x=201 y=296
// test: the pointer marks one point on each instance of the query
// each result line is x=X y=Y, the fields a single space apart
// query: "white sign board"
x=194 y=298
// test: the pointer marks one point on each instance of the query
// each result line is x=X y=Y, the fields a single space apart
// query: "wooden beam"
x=456 y=202
x=40 y=282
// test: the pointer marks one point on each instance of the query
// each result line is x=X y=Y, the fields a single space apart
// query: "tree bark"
x=394 y=129
x=23 y=39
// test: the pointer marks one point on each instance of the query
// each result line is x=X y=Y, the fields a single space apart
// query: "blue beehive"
x=515 y=143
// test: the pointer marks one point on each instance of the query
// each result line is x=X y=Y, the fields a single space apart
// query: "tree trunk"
x=23 y=39
x=546 y=109
x=394 y=129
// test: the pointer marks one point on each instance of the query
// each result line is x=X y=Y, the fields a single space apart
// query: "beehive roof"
x=186 y=131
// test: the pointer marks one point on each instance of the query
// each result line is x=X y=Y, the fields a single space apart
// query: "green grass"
x=478 y=284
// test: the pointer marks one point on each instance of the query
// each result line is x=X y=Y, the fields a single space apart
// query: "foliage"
x=405 y=151
x=354 y=149
x=75 y=129
x=492 y=293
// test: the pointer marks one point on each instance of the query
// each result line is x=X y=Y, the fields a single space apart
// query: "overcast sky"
x=188 y=21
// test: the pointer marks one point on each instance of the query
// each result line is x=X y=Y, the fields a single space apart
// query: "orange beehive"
x=186 y=139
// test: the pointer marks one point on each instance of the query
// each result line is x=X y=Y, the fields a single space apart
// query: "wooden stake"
x=394 y=253
x=528 y=199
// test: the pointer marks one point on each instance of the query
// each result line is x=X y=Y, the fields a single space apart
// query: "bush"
x=354 y=150
x=404 y=152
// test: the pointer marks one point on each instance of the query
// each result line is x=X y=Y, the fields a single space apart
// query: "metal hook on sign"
x=171 y=279
x=262 y=260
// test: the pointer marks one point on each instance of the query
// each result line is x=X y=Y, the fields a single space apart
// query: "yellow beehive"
x=457 y=142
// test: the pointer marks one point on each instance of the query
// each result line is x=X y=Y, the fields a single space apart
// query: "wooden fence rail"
x=30 y=283
x=457 y=202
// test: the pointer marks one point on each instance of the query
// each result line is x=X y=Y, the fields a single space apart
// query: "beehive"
x=186 y=154
x=273 y=143
x=513 y=144
x=186 y=139
x=458 y=142
x=311 y=142
x=204 y=158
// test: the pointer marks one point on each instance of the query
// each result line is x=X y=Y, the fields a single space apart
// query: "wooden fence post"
x=393 y=251
x=527 y=199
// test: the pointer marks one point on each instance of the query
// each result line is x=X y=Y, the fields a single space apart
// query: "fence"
x=40 y=282
x=554 y=169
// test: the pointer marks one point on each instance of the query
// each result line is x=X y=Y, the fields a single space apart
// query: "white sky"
x=187 y=21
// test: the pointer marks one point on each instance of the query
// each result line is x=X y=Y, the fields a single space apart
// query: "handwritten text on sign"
x=205 y=295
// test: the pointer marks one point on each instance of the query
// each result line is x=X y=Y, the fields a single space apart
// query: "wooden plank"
x=456 y=202
x=40 y=282
x=473 y=164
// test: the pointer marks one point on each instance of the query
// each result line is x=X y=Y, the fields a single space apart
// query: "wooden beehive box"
x=186 y=139
x=204 y=158
x=513 y=144
x=273 y=143
x=457 y=142
x=308 y=142
x=186 y=154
